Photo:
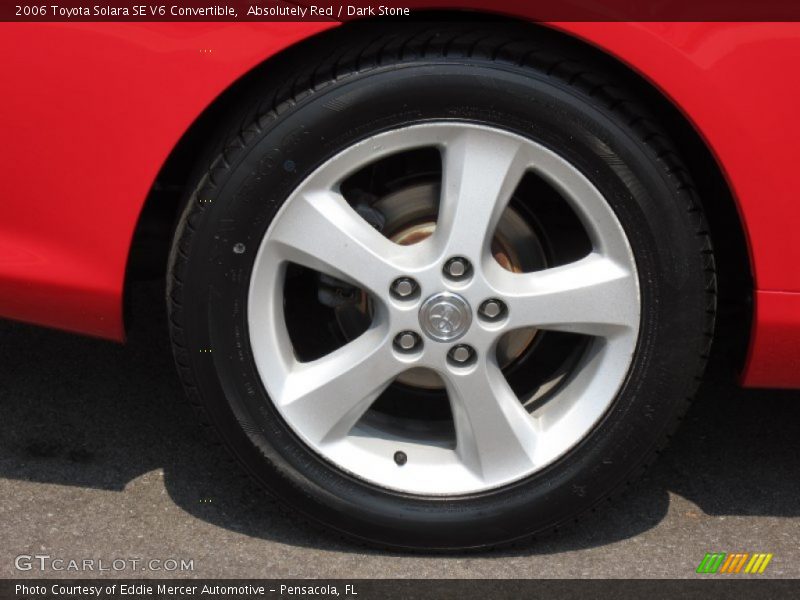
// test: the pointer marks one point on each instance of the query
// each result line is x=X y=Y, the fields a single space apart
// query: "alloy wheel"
x=442 y=305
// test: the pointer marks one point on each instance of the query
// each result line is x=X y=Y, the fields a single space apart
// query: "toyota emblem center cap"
x=445 y=317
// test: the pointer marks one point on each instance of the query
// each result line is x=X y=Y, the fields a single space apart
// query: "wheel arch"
x=156 y=224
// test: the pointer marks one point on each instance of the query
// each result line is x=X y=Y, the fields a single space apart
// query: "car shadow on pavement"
x=89 y=413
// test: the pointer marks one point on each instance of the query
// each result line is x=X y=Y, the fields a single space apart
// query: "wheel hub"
x=410 y=217
x=445 y=317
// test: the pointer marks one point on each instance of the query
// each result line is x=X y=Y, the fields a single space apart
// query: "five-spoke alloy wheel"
x=497 y=440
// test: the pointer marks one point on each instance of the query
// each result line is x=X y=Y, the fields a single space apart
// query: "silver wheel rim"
x=497 y=441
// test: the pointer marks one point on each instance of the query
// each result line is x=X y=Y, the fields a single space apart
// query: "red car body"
x=92 y=111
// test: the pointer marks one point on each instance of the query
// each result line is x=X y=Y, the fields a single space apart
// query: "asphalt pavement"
x=102 y=460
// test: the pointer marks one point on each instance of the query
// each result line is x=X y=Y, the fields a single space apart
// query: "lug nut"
x=457 y=267
x=492 y=309
x=404 y=287
x=406 y=341
x=461 y=354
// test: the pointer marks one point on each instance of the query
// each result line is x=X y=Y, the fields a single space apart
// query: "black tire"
x=492 y=75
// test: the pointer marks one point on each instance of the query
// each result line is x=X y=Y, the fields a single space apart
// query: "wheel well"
x=195 y=149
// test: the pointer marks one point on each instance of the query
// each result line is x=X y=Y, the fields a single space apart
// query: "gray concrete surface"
x=100 y=458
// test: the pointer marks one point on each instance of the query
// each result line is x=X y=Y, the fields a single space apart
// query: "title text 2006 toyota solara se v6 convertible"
x=436 y=285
